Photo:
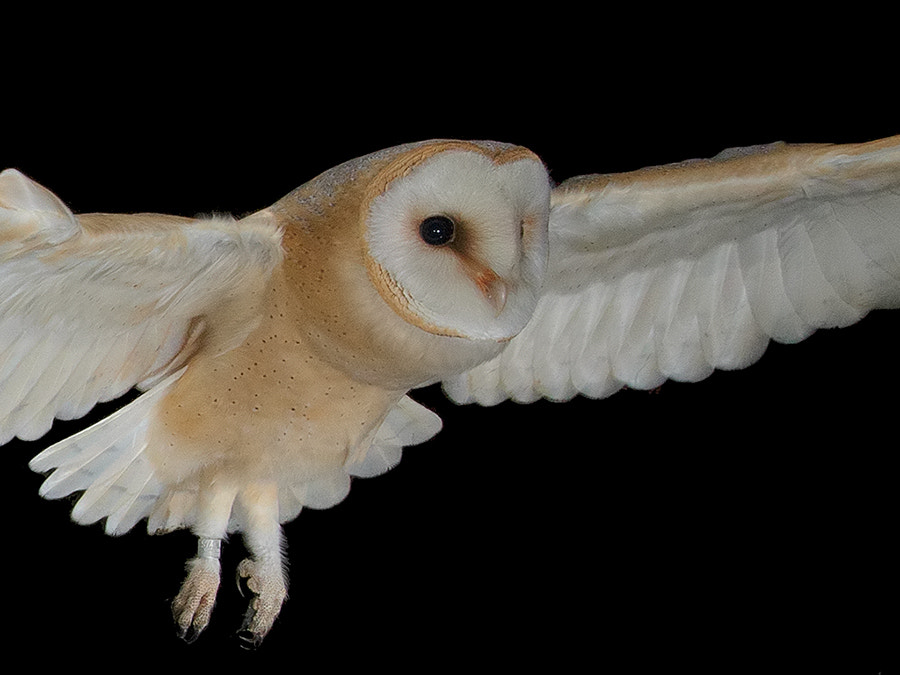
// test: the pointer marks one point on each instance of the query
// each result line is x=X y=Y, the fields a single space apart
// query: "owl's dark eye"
x=437 y=230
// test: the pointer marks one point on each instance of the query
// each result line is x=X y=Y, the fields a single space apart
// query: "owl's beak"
x=493 y=288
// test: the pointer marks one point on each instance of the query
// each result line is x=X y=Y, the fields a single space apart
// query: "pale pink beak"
x=493 y=288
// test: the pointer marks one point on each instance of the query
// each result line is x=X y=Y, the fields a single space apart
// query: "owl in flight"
x=275 y=352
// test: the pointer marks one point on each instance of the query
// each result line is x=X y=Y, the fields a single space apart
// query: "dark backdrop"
x=712 y=522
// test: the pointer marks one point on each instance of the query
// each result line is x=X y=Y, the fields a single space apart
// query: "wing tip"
x=30 y=214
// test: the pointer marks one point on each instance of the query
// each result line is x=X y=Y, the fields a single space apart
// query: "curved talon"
x=240 y=581
x=249 y=640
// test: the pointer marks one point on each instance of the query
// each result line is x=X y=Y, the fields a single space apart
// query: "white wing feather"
x=674 y=271
x=407 y=423
x=107 y=463
x=93 y=305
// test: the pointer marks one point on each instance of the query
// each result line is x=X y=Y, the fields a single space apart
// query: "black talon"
x=248 y=639
x=190 y=635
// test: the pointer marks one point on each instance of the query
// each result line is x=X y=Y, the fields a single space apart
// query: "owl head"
x=419 y=261
x=455 y=237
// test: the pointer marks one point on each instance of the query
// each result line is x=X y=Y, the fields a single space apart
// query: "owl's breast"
x=267 y=412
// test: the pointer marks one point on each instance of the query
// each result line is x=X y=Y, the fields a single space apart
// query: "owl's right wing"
x=91 y=306
x=671 y=272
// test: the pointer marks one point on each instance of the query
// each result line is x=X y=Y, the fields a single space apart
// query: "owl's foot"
x=266 y=581
x=193 y=605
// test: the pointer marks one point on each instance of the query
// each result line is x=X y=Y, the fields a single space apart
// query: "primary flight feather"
x=275 y=352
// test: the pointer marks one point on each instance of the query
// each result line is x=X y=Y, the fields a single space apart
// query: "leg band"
x=209 y=548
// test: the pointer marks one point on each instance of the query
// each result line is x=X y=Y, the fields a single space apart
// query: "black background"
x=750 y=518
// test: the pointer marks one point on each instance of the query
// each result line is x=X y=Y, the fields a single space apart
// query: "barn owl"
x=275 y=353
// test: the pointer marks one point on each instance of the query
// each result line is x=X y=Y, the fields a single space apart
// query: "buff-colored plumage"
x=276 y=351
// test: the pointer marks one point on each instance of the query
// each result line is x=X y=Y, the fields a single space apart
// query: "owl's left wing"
x=673 y=271
x=95 y=304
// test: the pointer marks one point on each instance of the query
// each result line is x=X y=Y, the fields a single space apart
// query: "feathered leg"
x=263 y=571
x=193 y=605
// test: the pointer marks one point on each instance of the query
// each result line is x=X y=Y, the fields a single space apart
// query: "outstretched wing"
x=671 y=272
x=93 y=305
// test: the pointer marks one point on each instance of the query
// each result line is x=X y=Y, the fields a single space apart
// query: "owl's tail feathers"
x=107 y=462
